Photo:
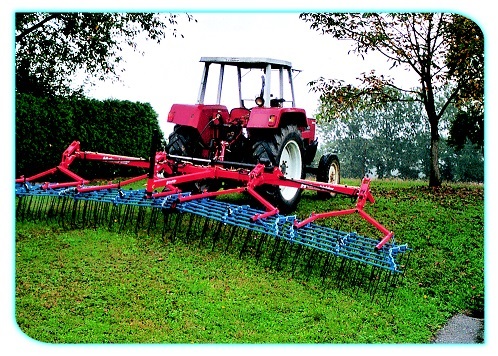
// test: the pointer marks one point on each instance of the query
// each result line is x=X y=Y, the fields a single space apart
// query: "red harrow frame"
x=167 y=173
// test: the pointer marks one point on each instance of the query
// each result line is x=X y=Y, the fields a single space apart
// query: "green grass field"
x=101 y=286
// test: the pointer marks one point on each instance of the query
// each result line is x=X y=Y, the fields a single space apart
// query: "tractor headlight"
x=259 y=101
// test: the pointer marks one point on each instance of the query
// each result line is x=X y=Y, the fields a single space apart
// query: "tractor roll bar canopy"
x=248 y=62
x=266 y=64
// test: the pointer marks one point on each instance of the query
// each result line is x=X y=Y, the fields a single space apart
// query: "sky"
x=170 y=73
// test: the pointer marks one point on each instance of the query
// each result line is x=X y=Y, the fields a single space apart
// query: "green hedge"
x=45 y=127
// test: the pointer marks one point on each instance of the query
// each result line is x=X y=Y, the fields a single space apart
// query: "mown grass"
x=100 y=286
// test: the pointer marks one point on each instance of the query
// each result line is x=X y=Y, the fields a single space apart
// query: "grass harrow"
x=305 y=247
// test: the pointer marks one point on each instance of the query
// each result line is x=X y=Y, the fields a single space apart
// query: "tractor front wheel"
x=329 y=171
x=283 y=149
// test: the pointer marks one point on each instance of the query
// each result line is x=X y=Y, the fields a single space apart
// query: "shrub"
x=46 y=126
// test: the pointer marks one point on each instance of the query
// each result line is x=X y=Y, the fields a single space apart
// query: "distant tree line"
x=444 y=50
x=394 y=141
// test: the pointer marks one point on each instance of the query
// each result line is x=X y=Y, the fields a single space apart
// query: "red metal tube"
x=111 y=185
x=171 y=190
x=211 y=194
x=388 y=234
x=71 y=174
x=385 y=240
x=36 y=176
x=47 y=185
x=329 y=214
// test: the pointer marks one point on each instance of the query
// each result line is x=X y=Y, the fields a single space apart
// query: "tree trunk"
x=434 y=174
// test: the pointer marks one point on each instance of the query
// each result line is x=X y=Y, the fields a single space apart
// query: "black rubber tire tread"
x=267 y=149
x=184 y=141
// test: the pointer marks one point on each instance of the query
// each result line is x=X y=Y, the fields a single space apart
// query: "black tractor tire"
x=329 y=171
x=185 y=141
x=283 y=149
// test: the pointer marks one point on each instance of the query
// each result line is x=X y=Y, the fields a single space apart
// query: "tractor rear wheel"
x=329 y=171
x=185 y=141
x=283 y=149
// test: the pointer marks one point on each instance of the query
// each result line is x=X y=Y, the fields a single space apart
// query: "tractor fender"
x=197 y=116
x=264 y=118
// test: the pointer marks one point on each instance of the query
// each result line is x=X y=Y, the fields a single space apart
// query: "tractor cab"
x=262 y=82
x=256 y=93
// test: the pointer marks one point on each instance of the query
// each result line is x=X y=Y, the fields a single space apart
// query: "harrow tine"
x=190 y=222
x=121 y=217
x=129 y=219
x=295 y=258
x=178 y=224
x=32 y=208
x=284 y=259
x=341 y=273
x=169 y=222
x=39 y=207
x=61 y=216
x=384 y=283
x=140 y=218
x=158 y=221
x=261 y=239
x=22 y=206
x=388 y=287
x=374 y=279
x=205 y=228
x=52 y=208
x=274 y=250
x=217 y=233
x=246 y=243
x=279 y=254
x=355 y=279
x=74 y=213
x=113 y=216
x=234 y=231
x=310 y=263
x=327 y=266
x=153 y=220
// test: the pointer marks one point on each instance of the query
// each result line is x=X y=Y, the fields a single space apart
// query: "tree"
x=52 y=47
x=427 y=44
x=467 y=45
x=389 y=141
x=467 y=126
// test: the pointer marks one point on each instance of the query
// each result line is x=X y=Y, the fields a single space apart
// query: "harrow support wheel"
x=329 y=171
x=284 y=149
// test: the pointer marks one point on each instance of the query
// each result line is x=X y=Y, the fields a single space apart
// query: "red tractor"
x=269 y=129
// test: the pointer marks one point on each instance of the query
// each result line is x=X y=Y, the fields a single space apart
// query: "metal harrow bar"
x=338 y=243
x=348 y=245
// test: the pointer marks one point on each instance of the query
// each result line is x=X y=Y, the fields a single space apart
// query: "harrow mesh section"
x=117 y=203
